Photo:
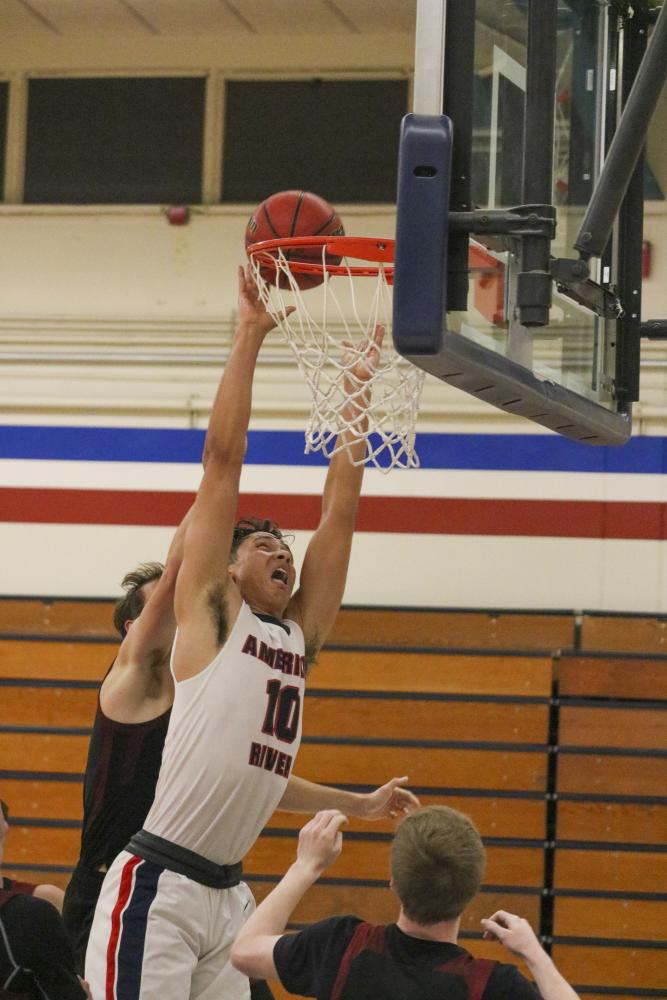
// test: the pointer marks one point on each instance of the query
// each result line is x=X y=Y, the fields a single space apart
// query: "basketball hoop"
x=338 y=306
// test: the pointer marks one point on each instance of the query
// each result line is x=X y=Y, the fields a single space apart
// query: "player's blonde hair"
x=437 y=863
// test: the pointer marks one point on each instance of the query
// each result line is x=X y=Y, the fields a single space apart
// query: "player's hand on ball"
x=390 y=801
x=321 y=840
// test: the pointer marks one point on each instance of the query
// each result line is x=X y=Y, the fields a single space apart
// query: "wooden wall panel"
x=612 y=871
x=42 y=845
x=380 y=905
x=456 y=629
x=24 y=705
x=369 y=859
x=612 y=677
x=632 y=919
x=324 y=763
x=80 y=661
x=43 y=799
x=435 y=768
x=43 y=752
x=336 y=669
x=427 y=720
x=627 y=968
x=494 y=817
x=622 y=822
x=615 y=774
x=624 y=633
x=615 y=726
x=445 y=673
x=366 y=859
x=605 y=996
x=354 y=626
x=57 y=617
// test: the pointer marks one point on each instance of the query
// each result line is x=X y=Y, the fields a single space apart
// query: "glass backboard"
x=571 y=362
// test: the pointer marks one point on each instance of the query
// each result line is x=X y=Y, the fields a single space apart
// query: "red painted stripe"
x=402 y=515
x=121 y=903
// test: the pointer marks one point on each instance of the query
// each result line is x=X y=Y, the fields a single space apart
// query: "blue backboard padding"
x=500 y=452
x=422 y=218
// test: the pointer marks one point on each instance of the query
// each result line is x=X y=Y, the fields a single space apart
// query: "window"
x=337 y=138
x=104 y=140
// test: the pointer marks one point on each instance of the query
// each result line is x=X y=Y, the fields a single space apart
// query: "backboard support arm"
x=626 y=146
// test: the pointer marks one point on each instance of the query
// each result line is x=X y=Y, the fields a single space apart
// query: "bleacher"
x=547 y=728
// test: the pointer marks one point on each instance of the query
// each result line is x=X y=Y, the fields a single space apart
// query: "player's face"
x=264 y=572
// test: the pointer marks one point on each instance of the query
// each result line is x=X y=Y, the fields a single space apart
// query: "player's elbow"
x=242 y=957
x=223 y=455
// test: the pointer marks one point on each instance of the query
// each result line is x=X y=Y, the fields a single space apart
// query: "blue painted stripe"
x=133 y=930
x=507 y=452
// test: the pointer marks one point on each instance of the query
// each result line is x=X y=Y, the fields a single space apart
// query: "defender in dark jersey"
x=128 y=736
x=51 y=893
x=437 y=865
x=36 y=961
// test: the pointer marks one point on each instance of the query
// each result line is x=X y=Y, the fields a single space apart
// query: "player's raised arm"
x=322 y=583
x=149 y=637
x=206 y=600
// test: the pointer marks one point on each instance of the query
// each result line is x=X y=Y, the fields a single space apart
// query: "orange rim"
x=377 y=252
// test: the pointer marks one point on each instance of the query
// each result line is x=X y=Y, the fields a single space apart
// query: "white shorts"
x=157 y=935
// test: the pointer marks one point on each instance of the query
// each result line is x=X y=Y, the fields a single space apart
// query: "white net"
x=330 y=332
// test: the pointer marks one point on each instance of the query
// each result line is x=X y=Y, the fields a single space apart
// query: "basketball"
x=294 y=213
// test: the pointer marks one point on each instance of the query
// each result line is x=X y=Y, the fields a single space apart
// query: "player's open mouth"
x=280 y=574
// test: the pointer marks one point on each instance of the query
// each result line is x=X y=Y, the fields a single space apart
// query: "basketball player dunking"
x=172 y=904
x=125 y=752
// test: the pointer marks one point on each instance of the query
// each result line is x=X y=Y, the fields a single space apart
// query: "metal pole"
x=538 y=131
x=459 y=78
x=631 y=227
x=626 y=145
x=534 y=279
x=429 y=57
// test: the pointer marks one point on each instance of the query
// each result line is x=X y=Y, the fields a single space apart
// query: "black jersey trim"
x=272 y=621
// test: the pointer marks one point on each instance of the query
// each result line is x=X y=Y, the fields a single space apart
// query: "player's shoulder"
x=323 y=935
x=506 y=982
x=307 y=962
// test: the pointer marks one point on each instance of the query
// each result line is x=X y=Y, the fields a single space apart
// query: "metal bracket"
x=571 y=277
x=525 y=220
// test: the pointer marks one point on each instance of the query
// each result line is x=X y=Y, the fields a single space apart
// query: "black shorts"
x=79 y=909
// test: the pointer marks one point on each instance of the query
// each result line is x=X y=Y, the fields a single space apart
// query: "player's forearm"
x=303 y=796
x=230 y=415
x=550 y=983
x=271 y=916
x=175 y=553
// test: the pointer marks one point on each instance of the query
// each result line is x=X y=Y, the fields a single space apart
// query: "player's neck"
x=446 y=931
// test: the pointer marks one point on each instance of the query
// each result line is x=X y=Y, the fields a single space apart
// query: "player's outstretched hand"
x=360 y=360
x=390 y=801
x=321 y=840
x=252 y=311
x=514 y=932
x=518 y=936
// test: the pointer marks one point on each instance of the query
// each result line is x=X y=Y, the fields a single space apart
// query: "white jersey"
x=234 y=732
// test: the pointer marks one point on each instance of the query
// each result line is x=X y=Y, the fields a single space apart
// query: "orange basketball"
x=294 y=213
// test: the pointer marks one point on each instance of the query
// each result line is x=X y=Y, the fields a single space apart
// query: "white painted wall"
x=151 y=306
